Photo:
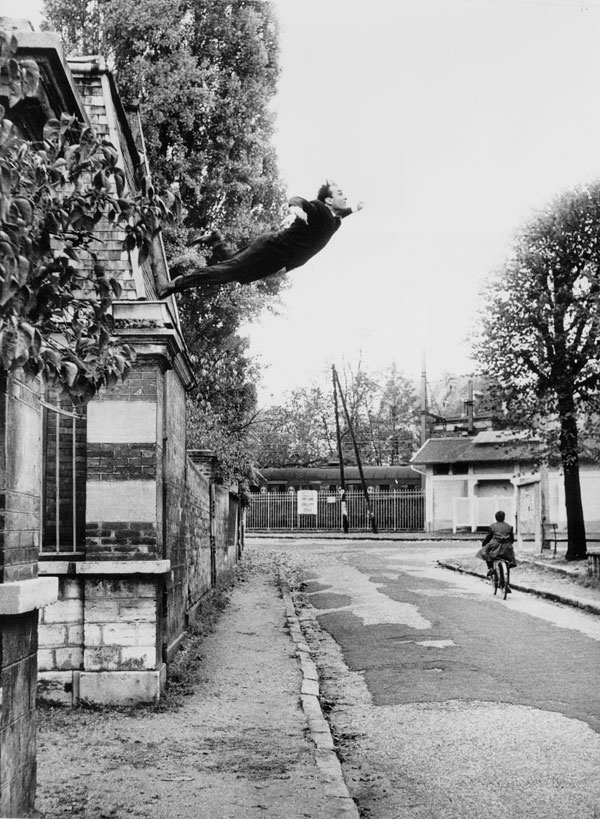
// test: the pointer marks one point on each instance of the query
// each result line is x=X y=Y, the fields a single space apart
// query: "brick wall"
x=123 y=466
x=108 y=636
x=96 y=91
x=176 y=537
x=196 y=536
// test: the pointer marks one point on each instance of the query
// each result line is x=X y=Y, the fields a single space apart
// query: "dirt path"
x=235 y=747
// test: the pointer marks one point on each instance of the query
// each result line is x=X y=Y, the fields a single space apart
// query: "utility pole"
x=423 y=407
x=345 y=522
x=370 y=515
x=423 y=399
x=470 y=408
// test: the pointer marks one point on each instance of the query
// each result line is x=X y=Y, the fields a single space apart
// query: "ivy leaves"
x=55 y=297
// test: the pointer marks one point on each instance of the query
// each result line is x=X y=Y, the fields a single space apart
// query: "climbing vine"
x=55 y=298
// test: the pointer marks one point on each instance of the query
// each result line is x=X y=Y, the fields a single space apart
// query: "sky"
x=453 y=120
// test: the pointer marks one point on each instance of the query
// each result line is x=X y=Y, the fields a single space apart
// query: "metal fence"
x=63 y=491
x=394 y=511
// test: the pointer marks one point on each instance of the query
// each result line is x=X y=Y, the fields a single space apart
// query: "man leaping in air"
x=314 y=224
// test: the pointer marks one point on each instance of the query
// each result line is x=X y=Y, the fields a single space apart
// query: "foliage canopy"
x=383 y=411
x=55 y=299
x=539 y=339
x=203 y=80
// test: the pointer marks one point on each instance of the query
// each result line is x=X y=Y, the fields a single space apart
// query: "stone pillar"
x=204 y=460
x=123 y=575
x=22 y=592
x=122 y=607
x=124 y=449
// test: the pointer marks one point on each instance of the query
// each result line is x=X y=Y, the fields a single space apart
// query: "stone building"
x=112 y=532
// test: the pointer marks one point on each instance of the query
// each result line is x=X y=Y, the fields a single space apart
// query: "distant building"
x=468 y=478
x=458 y=405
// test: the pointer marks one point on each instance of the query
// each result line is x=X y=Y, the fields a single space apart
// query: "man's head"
x=333 y=196
x=500 y=516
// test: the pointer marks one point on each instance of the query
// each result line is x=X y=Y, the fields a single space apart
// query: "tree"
x=383 y=411
x=395 y=425
x=203 y=81
x=539 y=336
x=298 y=433
x=55 y=299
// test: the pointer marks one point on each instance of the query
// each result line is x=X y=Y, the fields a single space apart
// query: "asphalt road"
x=445 y=700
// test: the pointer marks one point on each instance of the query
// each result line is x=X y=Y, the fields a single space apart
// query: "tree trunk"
x=577 y=547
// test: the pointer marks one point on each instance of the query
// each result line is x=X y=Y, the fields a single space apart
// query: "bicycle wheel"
x=506 y=579
x=495 y=580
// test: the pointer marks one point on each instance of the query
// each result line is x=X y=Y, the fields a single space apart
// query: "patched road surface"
x=447 y=702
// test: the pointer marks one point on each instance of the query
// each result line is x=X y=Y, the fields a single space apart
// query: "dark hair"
x=325 y=191
x=500 y=516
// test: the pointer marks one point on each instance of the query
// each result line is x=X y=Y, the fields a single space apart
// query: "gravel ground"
x=230 y=742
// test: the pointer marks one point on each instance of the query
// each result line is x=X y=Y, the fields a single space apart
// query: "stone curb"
x=547 y=595
x=325 y=756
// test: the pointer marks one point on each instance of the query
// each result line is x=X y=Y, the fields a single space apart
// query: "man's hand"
x=299 y=213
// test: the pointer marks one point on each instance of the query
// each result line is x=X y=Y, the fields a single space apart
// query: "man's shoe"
x=490 y=573
x=203 y=237
x=166 y=291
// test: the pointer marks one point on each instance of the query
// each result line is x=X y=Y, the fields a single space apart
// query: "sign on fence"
x=308 y=501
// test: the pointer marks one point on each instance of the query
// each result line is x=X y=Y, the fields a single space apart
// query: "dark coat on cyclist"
x=498 y=543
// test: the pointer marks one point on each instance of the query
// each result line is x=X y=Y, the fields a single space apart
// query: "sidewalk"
x=544 y=575
x=248 y=741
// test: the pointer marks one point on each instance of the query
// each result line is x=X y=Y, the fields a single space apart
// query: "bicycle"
x=501 y=578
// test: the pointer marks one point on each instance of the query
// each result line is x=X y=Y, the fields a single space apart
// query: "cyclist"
x=498 y=543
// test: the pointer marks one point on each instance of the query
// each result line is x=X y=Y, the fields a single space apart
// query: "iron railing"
x=62 y=507
x=394 y=511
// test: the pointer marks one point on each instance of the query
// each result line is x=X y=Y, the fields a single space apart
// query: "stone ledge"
x=122 y=688
x=124 y=567
x=22 y=596
x=105 y=567
x=55 y=567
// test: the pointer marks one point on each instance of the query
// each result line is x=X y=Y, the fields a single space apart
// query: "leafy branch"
x=55 y=297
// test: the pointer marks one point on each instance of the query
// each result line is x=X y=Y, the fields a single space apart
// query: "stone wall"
x=225 y=512
x=152 y=534
x=159 y=538
x=22 y=593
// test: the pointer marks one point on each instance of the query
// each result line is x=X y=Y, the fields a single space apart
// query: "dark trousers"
x=247 y=265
